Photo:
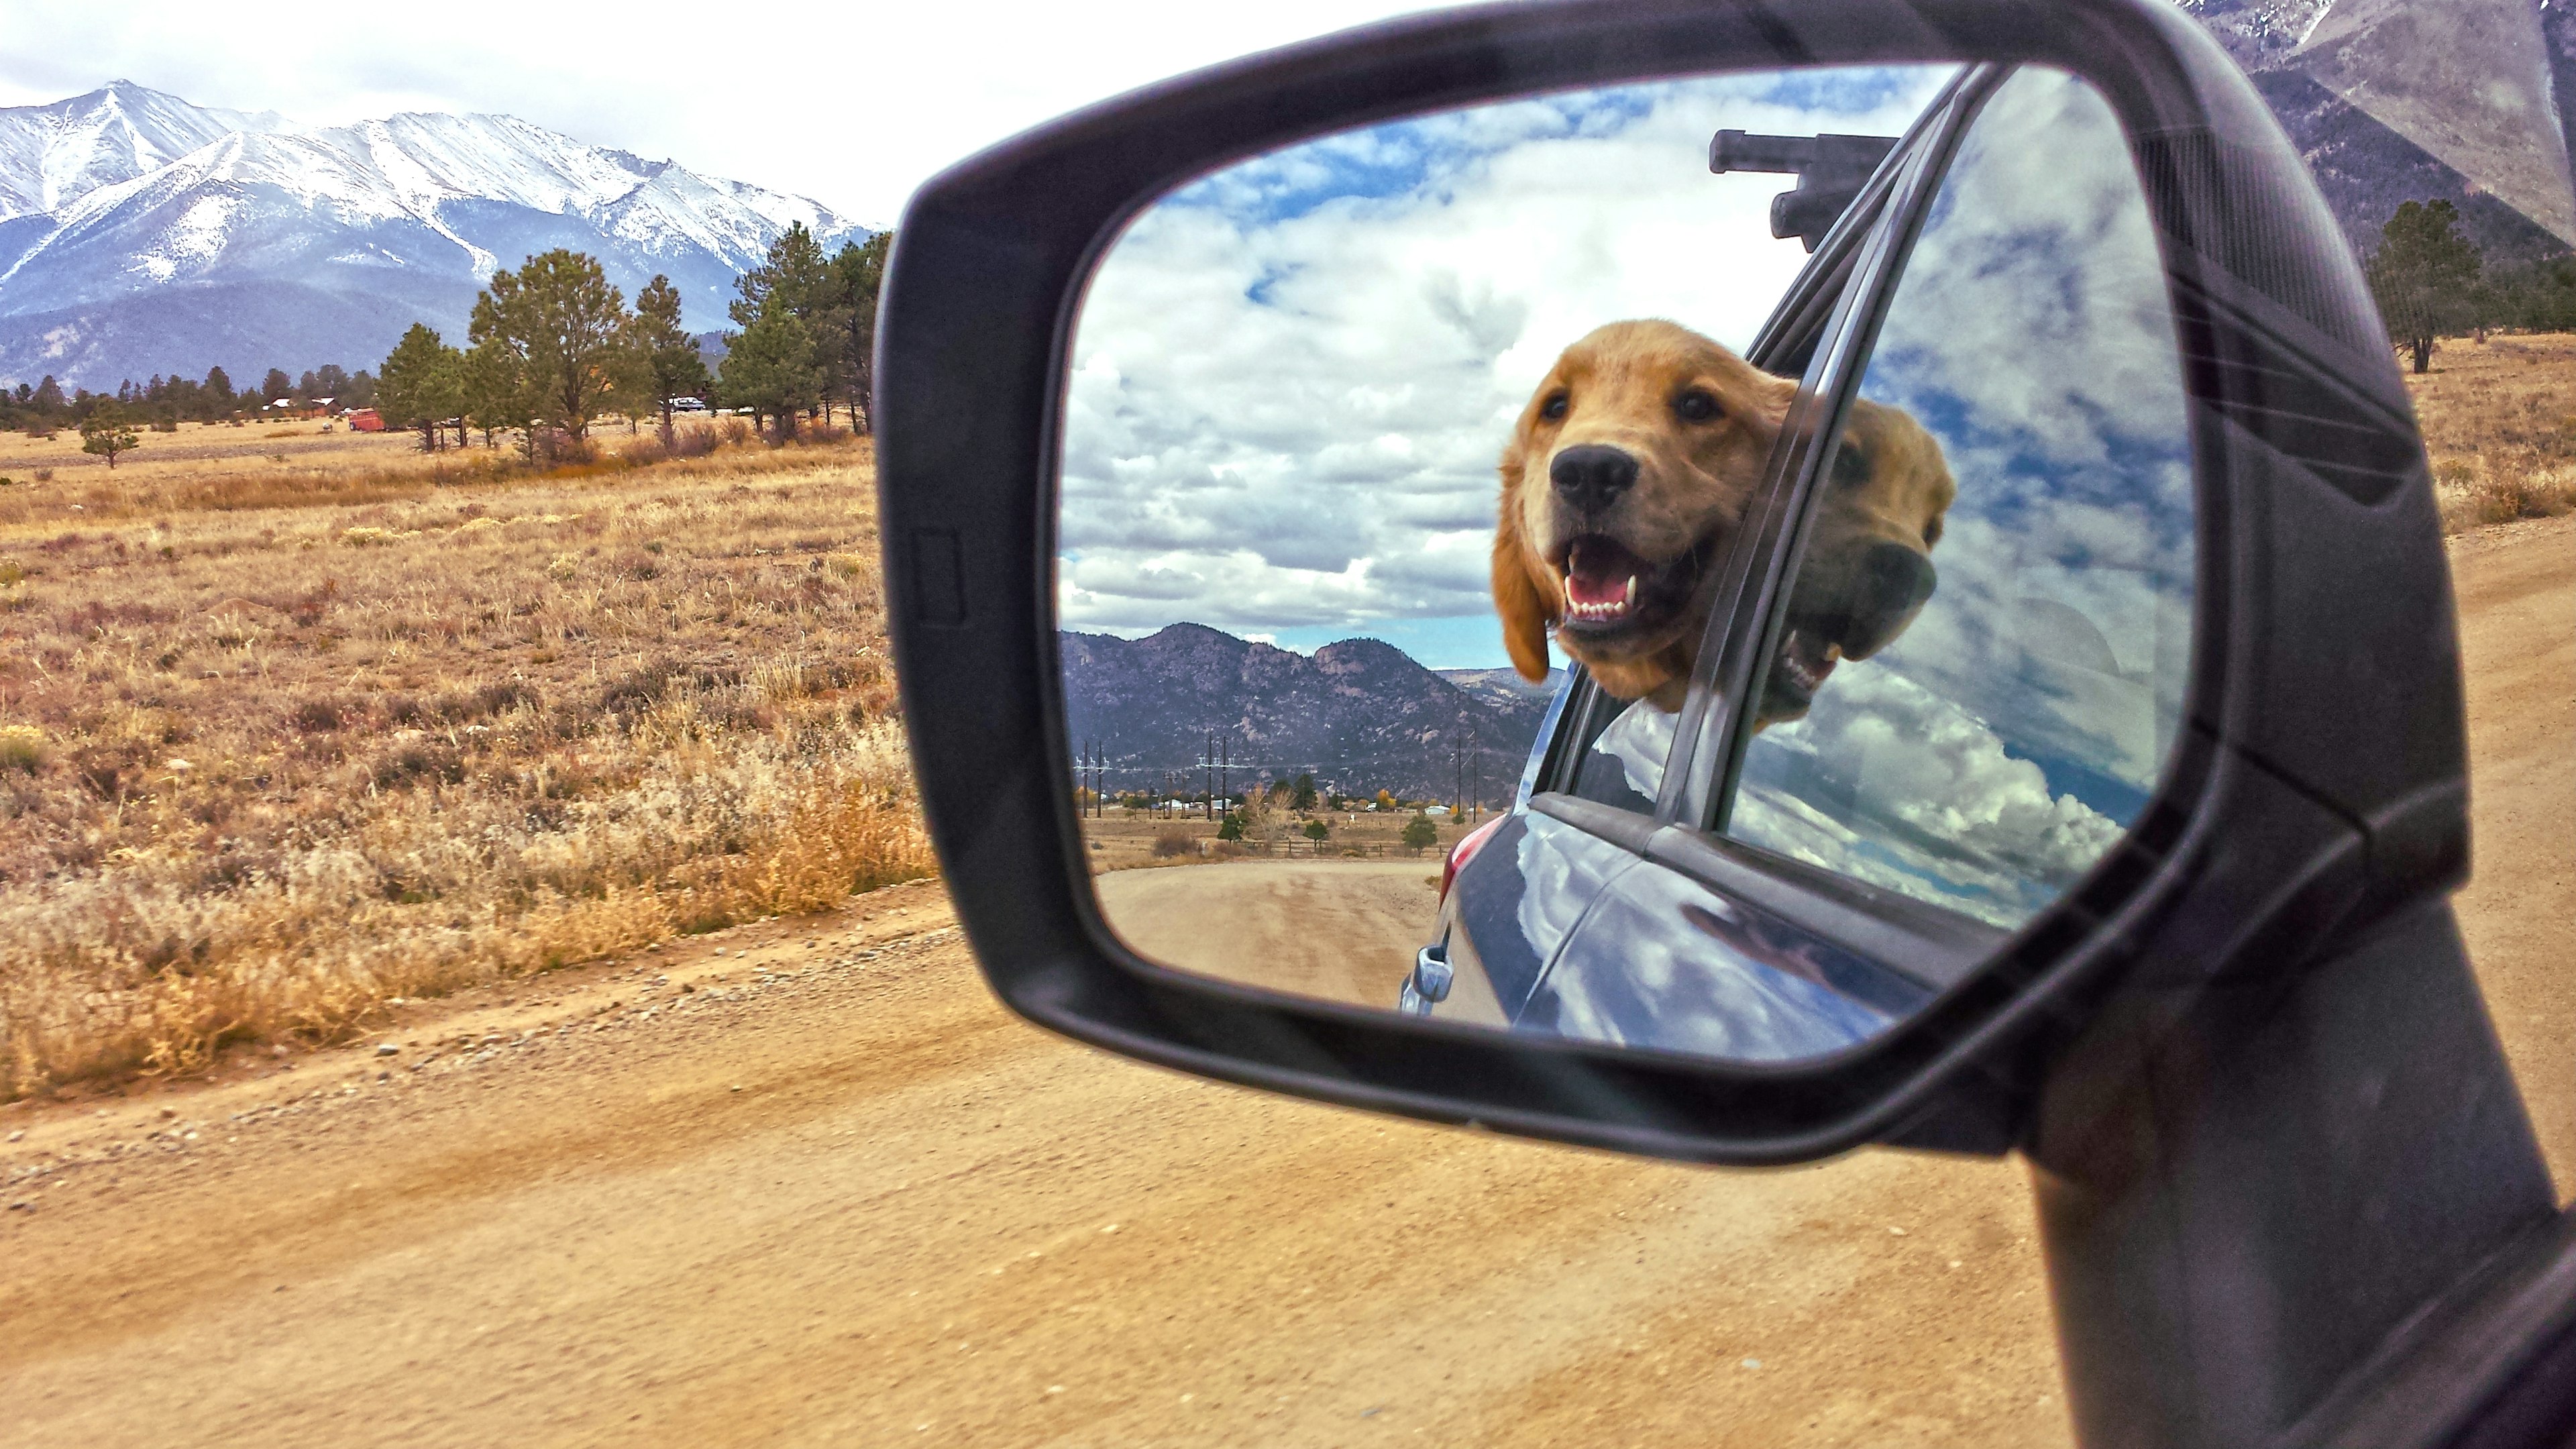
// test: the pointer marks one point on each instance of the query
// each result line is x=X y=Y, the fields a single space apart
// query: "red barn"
x=366 y=420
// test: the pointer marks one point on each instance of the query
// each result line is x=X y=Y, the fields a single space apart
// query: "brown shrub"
x=2500 y=428
x=1173 y=840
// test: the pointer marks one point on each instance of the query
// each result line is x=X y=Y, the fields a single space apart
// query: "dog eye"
x=1696 y=406
x=1554 y=409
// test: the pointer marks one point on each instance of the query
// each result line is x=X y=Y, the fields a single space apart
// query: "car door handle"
x=1428 y=986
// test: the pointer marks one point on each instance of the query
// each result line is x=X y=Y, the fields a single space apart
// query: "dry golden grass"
x=2499 y=420
x=270 y=757
x=218 y=467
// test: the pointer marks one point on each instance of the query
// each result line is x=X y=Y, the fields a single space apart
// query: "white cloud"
x=1996 y=750
x=1293 y=379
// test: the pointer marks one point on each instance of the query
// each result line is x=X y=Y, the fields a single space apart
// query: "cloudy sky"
x=1292 y=379
x=1992 y=753
x=852 y=104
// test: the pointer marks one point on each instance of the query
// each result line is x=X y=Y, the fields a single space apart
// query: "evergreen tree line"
x=166 y=402
x=2431 y=282
x=552 y=346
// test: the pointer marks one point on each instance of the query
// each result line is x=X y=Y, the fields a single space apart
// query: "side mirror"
x=2308 y=780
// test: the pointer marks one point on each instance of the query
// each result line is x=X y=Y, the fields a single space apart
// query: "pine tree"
x=858 y=273
x=2424 y=277
x=421 y=384
x=770 y=370
x=107 y=432
x=219 y=388
x=494 y=394
x=569 y=331
x=276 y=385
x=794 y=281
x=670 y=353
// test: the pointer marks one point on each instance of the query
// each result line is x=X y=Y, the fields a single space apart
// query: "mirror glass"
x=1371 y=438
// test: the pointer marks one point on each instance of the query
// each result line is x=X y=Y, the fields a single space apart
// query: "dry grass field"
x=283 y=740
x=2499 y=420
x=294 y=723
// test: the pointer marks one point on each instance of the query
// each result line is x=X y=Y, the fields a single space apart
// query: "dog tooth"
x=1632 y=590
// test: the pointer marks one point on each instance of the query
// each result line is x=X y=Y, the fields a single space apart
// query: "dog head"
x=1631 y=464
x=1868 y=565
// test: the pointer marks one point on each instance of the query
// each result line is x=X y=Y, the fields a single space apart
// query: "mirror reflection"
x=1397 y=470
x=1992 y=728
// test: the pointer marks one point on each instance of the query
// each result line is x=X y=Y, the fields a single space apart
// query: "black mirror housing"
x=2320 y=783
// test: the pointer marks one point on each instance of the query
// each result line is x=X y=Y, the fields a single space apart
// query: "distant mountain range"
x=142 y=234
x=1360 y=715
x=2406 y=100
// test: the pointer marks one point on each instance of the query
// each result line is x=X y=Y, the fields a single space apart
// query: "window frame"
x=1831 y=320
x=1920 y=939
x=1799 y=330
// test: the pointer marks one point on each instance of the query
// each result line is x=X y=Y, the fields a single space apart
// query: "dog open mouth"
x=1609 y=588
x=1798 y=670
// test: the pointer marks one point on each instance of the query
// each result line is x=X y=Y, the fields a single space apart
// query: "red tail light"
x=1465 y=851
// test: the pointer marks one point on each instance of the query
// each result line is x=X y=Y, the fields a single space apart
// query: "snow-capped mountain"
x=2469 y=101
x=142 y=234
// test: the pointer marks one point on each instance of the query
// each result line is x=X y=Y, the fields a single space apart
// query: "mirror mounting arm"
x=1831 y=170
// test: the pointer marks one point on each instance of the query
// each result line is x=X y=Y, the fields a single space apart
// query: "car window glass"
x=1624 y=746
x=1979 y=661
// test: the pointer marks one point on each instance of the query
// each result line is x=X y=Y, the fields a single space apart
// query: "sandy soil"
x=1340 y=930
x=805 y=1184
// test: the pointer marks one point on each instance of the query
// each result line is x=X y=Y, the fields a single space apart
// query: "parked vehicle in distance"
x=688 y=405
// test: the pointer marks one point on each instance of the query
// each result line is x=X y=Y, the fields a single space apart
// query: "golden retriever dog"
x=1631 y=468
x=1868 y=564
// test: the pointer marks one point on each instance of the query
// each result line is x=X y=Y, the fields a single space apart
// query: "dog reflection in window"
x=1629 y=471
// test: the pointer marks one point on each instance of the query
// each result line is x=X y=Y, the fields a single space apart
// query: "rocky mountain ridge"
x=2393 y=100
x=1360 y=714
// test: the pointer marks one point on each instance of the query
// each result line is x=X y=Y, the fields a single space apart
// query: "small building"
x=366 y=420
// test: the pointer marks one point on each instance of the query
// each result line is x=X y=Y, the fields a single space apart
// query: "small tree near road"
x=1420 y=832
x=2425 y=278
x=107 y=432
x=1317 y=830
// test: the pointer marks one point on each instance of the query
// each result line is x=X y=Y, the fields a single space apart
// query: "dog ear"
x=1517 y=599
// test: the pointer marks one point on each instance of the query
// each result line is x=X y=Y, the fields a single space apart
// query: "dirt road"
x=1342 y=930
x=806 y=1184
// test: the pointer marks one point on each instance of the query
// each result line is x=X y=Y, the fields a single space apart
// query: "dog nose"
x=1892 y=581
x=1899 y=579
x=1591 y=476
